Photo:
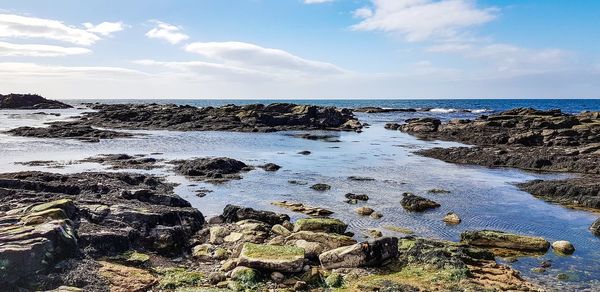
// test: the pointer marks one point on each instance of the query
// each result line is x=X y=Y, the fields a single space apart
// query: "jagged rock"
x=280 y=230
x=272 y=257
x=233 y=213
x=452 y=218
x=499 y=239
x=595 y=228
x=68 y=130
x=563 y=247
x=415 y=203
x=360 y=197
x=327 y=225
x=29 y=101
x=371 y=253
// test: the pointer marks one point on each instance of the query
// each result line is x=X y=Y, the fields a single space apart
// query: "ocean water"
x=484 y=198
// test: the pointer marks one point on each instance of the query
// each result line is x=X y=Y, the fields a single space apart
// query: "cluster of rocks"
x=528 y=139
x=217 y=169
x=29 y=101
x=247 y=118
x=125 y=161
x=68 y=130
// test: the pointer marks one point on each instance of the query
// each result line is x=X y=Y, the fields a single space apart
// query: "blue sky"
x=301 y=48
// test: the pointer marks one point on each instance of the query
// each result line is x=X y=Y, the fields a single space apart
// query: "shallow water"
x=484 y=198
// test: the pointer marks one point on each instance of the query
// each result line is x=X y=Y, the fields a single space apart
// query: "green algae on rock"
x=272 y=257
x=329 y=225
x=499 y=239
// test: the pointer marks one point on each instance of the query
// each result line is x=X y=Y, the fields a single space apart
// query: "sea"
x=485 y=198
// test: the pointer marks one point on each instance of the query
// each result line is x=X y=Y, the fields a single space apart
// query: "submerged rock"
x=272 y=257
x=371 y=253
x=321 y=187
x=29 y=101
x=415 y=203
x=499 y=239
x=301 y=208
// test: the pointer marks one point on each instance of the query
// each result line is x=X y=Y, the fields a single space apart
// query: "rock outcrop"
x=68 y=130
x=499 y=239
x=211 y=169
x=29 y=101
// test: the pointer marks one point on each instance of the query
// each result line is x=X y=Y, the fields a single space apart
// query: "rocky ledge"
x=68 y=130
x=247 y=118
x=29 y=101
x=527 y=139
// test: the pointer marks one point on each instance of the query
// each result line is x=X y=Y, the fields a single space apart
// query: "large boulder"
x=371 y=253
x=233 y=213
x=415 y=203
x=328 y=240
x=219 y=168
x=272 y=257
x=499 y=239
x=328 y=225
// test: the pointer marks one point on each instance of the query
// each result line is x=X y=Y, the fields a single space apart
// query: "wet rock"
x=124 y=161
x=68 y=130
x=270 y=167
x=563 y=247
x=452 y=218
x=364 y=211
x=499 y=239
x=301 y=208
x=317 y=137
x=583 y=191
x=439 y=191
x=327 y=225
x=595 y=228
x=373 y=109
x=233 y=213
x=304 y=152
x=247 y=118
x=360 y=197
x=29 y=101
x=415 y=203
x=360 y=178
x=376 y=215
x=125 y=279
x=212 y=169
x=371 y=253
x=321 y=187
x=272 y=257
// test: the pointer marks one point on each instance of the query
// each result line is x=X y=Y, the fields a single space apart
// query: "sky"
x=305 y=49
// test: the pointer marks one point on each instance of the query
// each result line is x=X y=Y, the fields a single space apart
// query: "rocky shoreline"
x=29 y=101
x=130 y=232
x=527 y=139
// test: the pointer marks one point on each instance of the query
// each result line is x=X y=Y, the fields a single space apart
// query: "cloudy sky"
x=301 y=48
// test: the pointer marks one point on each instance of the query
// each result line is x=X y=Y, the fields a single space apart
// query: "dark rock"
x=360 y=197
x=595 y=228
x=233 y=213
x=360 y=178
x=321 y=187
x=370 y=253
x=305 y=152
x=219 y=169
x=124 y=161
x=29 y=101
x=372 y=109
x=68 y=130
x=415 y=203
x=270 y=167
x=583 y=191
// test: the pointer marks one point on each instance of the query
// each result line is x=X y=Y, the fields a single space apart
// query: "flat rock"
x=272 y=257
x=370 y=253
x=499 y=239
x=328 y=225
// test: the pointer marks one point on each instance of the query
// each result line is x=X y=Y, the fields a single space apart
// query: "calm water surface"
x=484 y=198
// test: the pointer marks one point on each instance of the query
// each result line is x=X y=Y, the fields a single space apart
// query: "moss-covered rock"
x=124 y=278
x=272 y=257
x=499 y=239
x=174 y=278
x=328 y=225
x=334 y=280
x=328 y=240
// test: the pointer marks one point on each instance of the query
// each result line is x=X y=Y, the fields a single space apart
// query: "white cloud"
x=317 y=1
x=168 y=32
x=105 y=28
x=32 y=50
x=16 y=26
x=15 y=70
x=419 y=20
x=247 y=55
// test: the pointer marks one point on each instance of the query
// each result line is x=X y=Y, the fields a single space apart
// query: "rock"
x=374 y=233
x=228 y=265
x=211 y=169
x=499 y=239
x=68 y=130
x=360 y=197
x=216 y=277
x=300 y=286
x=360 y=178
x=232 y=214
x=321 y=187
x=280 y=230
x=301 y=208
x=233 y=237
x=439 y=191
x=124 y=161
x=563 y=247
x=364 y=211
x=415 y=203
x=595 y=228
x=376 y=215
x=203 y=252
x=277 y=277
x=334 y=280
x=217 y=234
x=305 y=152
x=272 y=257
x=125 y=279
x=371 y=253
x=270 y=167
x=174 y=278
x=29 y=101
x=329 y=240
x=328 y=225
x=216 y=220
x=452 y=218
x=312 y=250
